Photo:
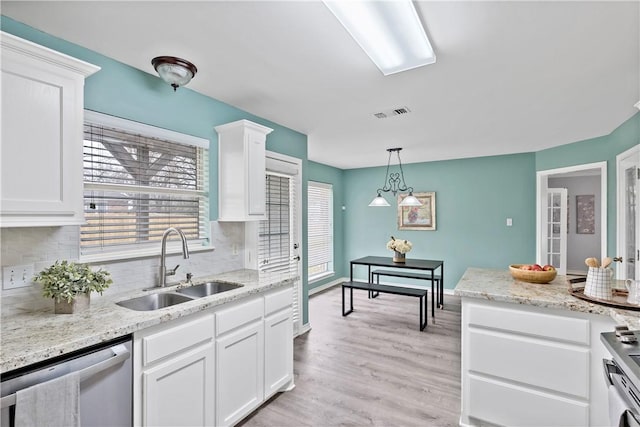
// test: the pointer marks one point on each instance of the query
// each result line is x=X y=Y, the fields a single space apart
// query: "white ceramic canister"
x=599 y=283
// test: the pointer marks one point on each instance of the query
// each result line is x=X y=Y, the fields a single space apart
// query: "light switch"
x=17 y=276
x=509 y=222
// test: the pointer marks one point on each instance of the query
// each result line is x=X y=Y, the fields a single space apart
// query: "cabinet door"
x=180 y=391
x=256 y=174
x=239 y=373
x=41 y=152
x=278 y=352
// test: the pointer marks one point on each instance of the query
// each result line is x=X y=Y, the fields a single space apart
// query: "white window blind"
x=275 y=234
x=320 y=230
x=137 y=184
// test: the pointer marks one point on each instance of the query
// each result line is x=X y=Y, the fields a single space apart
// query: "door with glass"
x=628 y=176
x=279 y=244
x=555 y=231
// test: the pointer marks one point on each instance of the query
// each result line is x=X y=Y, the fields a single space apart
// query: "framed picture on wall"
x=418 y=217
x=585 y=214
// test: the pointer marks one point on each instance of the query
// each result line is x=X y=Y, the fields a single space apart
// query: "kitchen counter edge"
x=35 y=336
x=499 y=285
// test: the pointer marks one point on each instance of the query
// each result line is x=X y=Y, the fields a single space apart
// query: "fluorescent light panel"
x=390 y=32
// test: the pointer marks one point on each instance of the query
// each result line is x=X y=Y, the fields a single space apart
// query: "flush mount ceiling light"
x=390 y=32
x=394 y=182
x=175 y=71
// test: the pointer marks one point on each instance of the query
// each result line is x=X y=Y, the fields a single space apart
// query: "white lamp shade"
x=410 y=200
x=379 y=201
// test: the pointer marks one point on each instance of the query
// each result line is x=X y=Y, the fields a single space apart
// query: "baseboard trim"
x=305 y=328
x=327 y=285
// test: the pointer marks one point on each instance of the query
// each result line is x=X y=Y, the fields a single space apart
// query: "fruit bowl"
x=532 y=276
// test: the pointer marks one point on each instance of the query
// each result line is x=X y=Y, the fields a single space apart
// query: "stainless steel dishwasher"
x=106 y=382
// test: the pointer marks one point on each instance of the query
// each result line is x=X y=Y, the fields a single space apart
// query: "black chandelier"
x=394 y=182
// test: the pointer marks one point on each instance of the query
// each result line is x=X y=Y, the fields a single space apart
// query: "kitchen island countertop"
x=499 y=285
x=35 y=336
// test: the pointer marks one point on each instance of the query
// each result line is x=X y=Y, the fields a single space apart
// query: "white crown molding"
x=11 y=43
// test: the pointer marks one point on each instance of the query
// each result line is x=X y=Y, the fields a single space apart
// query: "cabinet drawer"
x=510 y=405
x=277 y=301
x=176 y=339
x=241 y=314
x=549 y=365
x=544 y=325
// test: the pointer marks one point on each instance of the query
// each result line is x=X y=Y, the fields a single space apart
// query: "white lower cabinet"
x=175 y=373
x=278 y=344
x=531 y=366
x=214 y=367
x=180 y=392
x=239 y=360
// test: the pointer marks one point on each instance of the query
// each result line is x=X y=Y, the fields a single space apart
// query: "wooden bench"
x=410 y=275
x=386 y=289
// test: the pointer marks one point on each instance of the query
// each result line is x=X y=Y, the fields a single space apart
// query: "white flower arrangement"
x=402 y=246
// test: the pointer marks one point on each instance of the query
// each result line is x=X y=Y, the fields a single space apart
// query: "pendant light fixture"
x=175 y=71
x=394 y=182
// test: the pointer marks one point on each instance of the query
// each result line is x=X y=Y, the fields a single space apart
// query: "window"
x=274 y=234
x=138 y=181
x=320 y=230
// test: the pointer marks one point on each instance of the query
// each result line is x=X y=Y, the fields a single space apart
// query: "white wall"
x=42 y=246
x=580 y=246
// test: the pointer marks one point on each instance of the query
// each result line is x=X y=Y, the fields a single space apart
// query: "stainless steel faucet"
x=163 y=254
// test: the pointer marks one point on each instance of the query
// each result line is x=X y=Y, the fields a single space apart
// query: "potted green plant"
x=70 y=285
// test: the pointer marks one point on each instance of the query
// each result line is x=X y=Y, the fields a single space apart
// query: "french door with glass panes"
x=555 y=232
x=276 y=240
x=628 y=248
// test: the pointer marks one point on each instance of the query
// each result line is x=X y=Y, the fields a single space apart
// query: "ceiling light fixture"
x=175 y=71
x=394 y=182
x=390 y=32
x=637 y=105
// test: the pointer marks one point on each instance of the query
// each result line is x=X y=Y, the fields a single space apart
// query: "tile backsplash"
x=42 y=246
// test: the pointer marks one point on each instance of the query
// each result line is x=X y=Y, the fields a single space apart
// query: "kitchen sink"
x=154 y=301
x=208 y=288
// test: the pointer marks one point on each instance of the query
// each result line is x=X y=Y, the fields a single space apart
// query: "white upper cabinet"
x=42 y=125
x=241 y=171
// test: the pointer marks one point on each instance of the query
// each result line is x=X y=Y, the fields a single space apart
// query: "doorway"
x=565 y=237
x=628 y=238
x=274 y=245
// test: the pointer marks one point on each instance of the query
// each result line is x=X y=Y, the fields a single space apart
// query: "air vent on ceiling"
x=392 y=112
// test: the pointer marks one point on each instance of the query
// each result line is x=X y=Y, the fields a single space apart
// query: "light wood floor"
x=373 y=367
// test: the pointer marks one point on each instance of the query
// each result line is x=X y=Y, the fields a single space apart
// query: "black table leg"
x=344 y=313
x=423 y=312
x=442 y=286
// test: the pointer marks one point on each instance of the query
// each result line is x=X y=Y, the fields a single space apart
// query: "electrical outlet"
x=234 y=249
x=509 y=222
x=17 y=276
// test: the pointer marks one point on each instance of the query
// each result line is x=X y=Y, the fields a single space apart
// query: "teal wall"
x=123 y=91
x=604 y=148
x=330 y=175
x=474 y=197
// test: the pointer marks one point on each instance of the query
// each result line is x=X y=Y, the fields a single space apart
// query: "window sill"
x=140 y=253
x=320 y=277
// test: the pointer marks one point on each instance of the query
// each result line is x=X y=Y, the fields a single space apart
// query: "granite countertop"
x=499 y=285
x=35 y=336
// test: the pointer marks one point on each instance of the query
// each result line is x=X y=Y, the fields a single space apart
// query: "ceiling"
x=510 y=77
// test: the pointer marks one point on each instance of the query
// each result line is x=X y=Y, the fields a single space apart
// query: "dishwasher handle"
x=120 y=354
